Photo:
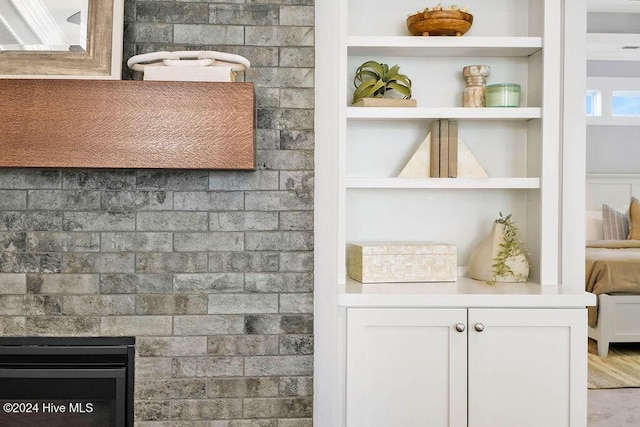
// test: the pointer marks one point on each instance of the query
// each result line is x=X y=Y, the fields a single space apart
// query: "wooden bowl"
x=439 y=23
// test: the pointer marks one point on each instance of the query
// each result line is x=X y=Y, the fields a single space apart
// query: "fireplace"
x=70 y=382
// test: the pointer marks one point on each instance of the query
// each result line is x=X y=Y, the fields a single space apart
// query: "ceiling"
x=619 y=6
x=613 y=38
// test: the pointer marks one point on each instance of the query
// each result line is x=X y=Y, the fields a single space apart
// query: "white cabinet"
x=527 y=367
x=406 y=368
x=425 y=367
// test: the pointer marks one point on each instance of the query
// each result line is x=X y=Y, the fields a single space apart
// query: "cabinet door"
x=527 y=367
x=406 y=367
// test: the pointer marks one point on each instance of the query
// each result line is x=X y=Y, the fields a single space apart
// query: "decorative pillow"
x=615 y=224
x=593 y=223
x=634 y=219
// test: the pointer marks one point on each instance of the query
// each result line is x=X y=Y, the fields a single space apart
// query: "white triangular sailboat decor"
x=418 y=164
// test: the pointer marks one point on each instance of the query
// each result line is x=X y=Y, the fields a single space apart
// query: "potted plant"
x=377 y=80
x=500 y=257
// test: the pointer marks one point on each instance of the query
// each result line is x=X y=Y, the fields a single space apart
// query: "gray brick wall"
x=211 y=271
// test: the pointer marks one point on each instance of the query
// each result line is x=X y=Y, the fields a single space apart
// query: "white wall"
x=613 y=149
x=613 y=143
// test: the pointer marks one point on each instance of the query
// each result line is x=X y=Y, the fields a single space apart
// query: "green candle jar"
x=503 y=95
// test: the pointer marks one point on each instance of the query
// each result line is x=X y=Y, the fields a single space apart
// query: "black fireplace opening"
x=66 y=381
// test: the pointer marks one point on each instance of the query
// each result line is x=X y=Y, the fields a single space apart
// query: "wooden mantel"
x=126 y=124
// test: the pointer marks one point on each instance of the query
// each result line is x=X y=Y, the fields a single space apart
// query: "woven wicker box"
x=378 y=262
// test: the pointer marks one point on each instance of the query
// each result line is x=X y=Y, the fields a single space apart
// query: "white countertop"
x=465 y=292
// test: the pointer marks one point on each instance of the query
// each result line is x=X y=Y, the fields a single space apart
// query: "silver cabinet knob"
x=479 y=327
x=460 y=327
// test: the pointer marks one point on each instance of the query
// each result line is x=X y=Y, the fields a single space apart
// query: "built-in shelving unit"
x=512 y=144
x=360 y=154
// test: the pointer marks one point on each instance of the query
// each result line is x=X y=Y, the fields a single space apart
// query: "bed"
x=613 y=273
x=612 y=266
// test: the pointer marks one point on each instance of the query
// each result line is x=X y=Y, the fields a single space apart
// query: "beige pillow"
x=634 y=219
x=593 y=226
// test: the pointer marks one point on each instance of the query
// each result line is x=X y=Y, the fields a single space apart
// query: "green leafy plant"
x=509 y=249
x=374 y=80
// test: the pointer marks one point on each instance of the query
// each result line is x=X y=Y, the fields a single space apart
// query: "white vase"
x=486 y=254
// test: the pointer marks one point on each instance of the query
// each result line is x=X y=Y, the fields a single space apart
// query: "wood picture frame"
x=102 y=58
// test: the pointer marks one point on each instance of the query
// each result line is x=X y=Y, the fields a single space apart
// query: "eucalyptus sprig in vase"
x=501 y=256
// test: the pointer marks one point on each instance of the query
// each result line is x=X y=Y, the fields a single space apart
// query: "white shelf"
x=393 y=113
x=443 y=46
x=446 y=183
x=465 y=292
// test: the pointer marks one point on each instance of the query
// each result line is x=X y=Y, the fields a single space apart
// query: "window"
x=625 y=103
x=594 y=103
